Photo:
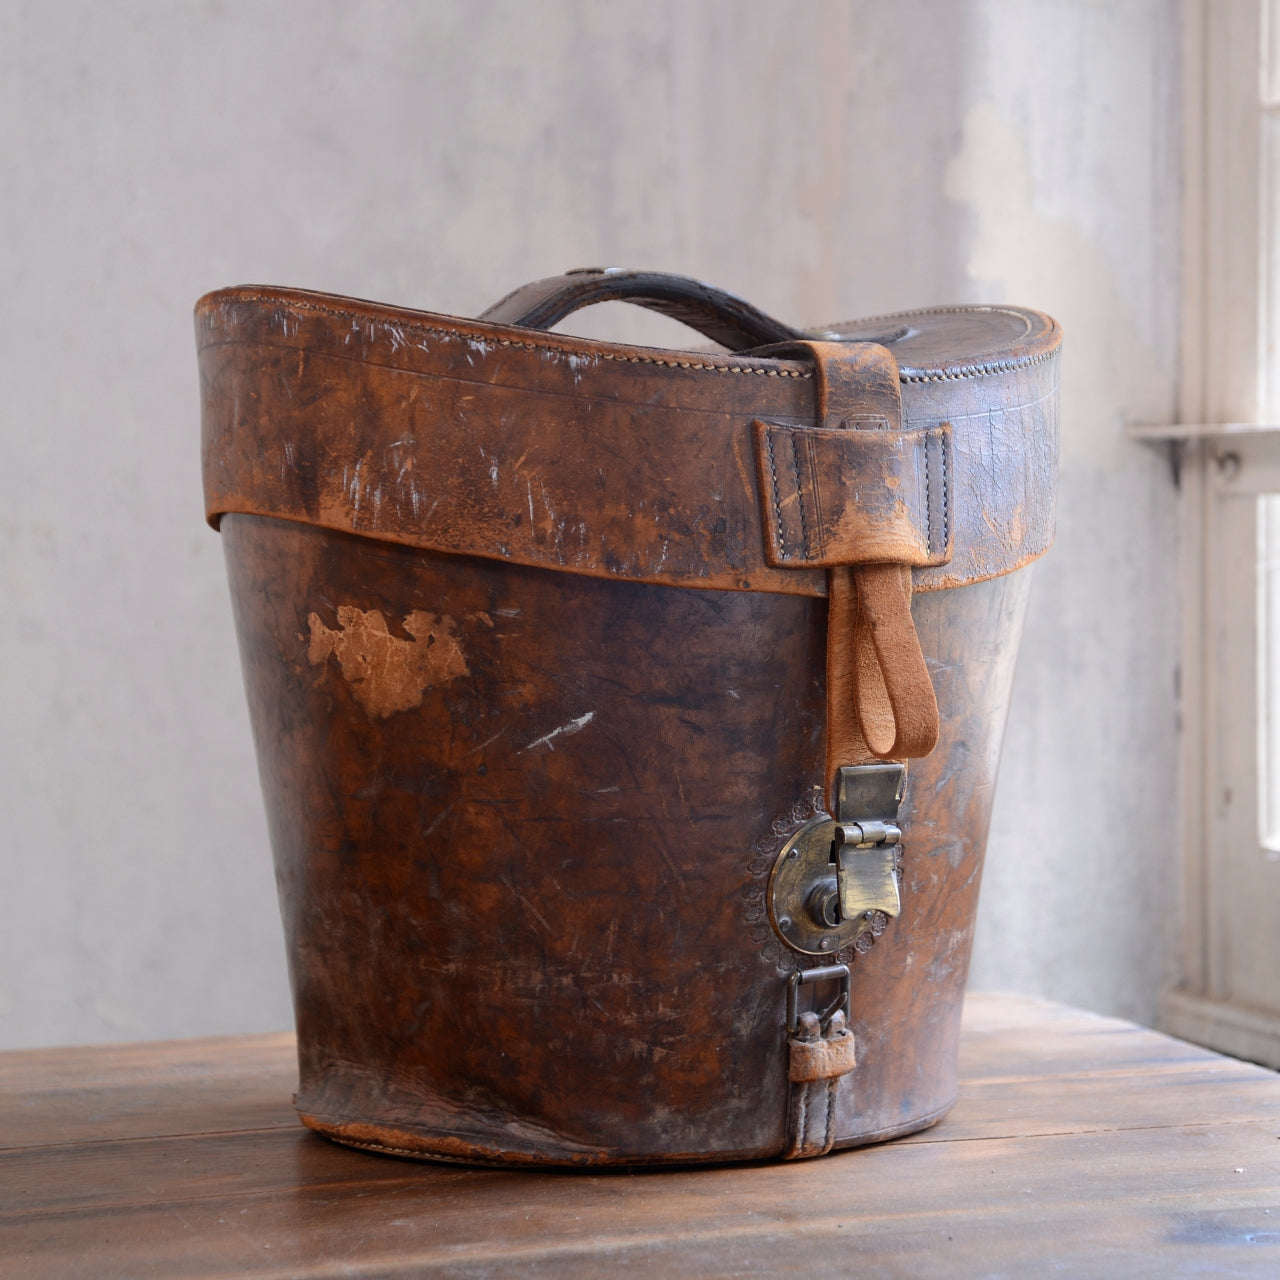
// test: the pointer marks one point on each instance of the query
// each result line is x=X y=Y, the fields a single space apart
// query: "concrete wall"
x=826 y=159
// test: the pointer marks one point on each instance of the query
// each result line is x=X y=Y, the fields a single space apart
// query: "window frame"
x=1230 y=319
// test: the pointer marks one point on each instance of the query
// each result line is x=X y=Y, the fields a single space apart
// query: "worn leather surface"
x=815 y=1055
x=523 y=820
x=854 y=487
x=600 y=459
x=893 y=693
x=523 y=882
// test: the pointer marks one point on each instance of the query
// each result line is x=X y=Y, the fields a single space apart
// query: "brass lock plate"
x=803 y=877
x=837 y=878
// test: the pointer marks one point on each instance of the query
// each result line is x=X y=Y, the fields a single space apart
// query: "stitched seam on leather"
x=819 y=525
x=777 y=498
x=946 y=495
x=802 y=1119
x=979 y=371
x=382 y=1146
x=829 y=1136
x=426 y=1153
x=928 y=498
x=795 y=466
x=441 y=332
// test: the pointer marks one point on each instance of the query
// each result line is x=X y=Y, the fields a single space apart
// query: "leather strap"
x=854 y=487
x=896 y=705
x=854 y=496
x=818 y=1064
x=868 y=526
x=720 y=316
x=880 y=700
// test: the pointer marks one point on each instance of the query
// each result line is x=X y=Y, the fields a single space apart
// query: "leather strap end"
x=880 y=699
x=822 y=1059
x=896 y=704
x=845 y=743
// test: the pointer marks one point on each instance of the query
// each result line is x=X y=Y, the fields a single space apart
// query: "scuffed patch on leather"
x=388 y=674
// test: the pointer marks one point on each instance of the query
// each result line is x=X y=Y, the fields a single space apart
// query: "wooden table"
x=1081 y=1146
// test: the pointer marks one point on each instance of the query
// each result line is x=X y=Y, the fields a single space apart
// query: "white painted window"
x=1227 y=994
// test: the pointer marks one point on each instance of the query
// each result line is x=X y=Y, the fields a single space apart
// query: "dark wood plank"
x=1081 y=1144
x=1028 y=1067
x=1162 y=1201
x=107 y=1092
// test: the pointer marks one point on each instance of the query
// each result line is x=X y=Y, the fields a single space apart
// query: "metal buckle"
x=829 y=973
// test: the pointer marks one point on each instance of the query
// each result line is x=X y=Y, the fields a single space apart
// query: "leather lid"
x=958 y=342
x=468 y=437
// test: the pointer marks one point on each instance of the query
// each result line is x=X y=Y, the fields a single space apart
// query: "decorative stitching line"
x=979 y=371
x=439 y=331
x=954 y=375
x=946 y=493
x=795 y=466
x=777 y=498
x=819 y=549
x=382 y=1146
x=829 y=1136
x=424 y=1153
x=928 y=498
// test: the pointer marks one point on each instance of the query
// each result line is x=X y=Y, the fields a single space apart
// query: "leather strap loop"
x=819 y=1065
x=897 y=707
x=855 y=495
x=731 y=321
x=855 y=382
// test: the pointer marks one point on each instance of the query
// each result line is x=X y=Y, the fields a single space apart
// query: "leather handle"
x=722 y=317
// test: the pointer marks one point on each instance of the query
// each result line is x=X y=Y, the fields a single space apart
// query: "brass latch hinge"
x=837 y=878
x=867 y=800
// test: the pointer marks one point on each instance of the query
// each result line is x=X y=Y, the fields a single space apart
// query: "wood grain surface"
x=1081 y=1146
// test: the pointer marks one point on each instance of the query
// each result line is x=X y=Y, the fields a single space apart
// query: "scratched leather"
x=839 y=497
x=595 y=458
x=821 y=1059
x=523 y=821
x=527 y=916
